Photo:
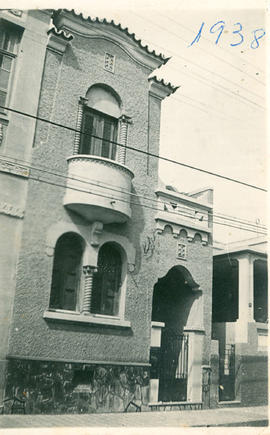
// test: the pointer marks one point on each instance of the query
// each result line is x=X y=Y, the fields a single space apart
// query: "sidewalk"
x=246 y=416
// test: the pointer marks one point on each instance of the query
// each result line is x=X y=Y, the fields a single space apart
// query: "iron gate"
x=227 y=373
x=173 y=366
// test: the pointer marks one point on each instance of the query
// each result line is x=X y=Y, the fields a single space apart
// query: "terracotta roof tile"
x=125 y=30
x=162 y=82
x=61 y=33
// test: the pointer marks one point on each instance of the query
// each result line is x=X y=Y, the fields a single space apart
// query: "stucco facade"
x=164 y=239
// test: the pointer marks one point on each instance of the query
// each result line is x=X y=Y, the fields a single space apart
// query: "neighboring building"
x=240 y=320
x=23 y=41
x=99 y=238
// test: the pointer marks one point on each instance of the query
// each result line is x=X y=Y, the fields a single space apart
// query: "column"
x=245 y=298
x=156 y=328
x=88 y=285
x=124 y=121
x=77 y=139
x=195 y=349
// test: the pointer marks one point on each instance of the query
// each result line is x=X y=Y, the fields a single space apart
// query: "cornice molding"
x=14 y=168
x=177 y=227
x=159 y=89
x=58 y=40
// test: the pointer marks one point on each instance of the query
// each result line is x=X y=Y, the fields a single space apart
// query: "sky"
x=216 y=120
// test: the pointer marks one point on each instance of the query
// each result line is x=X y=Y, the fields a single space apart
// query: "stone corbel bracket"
x=175 y=228
x=58 y=40
x=96 y=231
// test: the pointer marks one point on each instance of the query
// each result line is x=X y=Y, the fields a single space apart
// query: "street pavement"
x=246 y=416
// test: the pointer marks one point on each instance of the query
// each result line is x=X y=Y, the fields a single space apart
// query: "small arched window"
x=100 y=122
x=107 y=281
x=66 y=272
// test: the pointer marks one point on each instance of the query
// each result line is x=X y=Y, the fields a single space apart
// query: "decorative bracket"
x=96 y=231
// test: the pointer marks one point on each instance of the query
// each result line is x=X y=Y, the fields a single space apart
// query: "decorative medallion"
x=181 y=251
x=109 y=62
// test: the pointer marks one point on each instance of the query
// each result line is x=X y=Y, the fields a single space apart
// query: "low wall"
x=251 y=379
x=58 y=387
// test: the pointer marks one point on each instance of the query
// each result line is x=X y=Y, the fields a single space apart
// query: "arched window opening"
x=66 y=272
x=100 y=122
x=107 y=281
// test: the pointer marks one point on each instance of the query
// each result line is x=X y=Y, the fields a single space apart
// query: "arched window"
x=66 y=272
x=100 y=122
x=107 y=281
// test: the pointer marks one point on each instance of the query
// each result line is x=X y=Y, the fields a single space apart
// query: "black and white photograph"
x=133 y=216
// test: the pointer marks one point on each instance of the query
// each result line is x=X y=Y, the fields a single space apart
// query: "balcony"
x=98 y=189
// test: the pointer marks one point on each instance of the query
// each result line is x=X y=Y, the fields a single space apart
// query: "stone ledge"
x=86 y=319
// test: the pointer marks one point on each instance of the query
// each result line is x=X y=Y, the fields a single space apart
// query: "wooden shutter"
x=87 y=129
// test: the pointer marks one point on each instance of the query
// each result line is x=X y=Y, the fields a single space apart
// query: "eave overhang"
x=160 y=89
x=69 y=20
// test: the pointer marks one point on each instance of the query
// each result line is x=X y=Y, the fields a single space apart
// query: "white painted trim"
x=87 y=319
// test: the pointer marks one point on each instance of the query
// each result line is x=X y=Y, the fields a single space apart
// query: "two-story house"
x=112 y=278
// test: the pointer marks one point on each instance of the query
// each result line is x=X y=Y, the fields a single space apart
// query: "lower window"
x=107 y=281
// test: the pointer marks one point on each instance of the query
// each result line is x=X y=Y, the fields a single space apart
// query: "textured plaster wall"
x=64 y=81
x=199 y=264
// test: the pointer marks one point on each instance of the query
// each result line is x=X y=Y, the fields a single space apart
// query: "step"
x=229 y=403
x=174 y=406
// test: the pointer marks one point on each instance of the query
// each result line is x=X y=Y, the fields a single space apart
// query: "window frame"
x=99 y=283
x=16 y=32
x=63 y=276
x=112 y=143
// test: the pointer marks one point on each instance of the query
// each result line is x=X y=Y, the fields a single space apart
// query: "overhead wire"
x=194 y=63
x=218 y=85
x=215 y=56
x=187 y=211
x=39 y=179
x=223 y=49
x=136 y=149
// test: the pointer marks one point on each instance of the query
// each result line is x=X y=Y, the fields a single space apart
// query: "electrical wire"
x=231 y=93
x=194 y=63
x=136 y=149
x=136 y=204
x=215 y=56
x=188 y=213
x=220 y=48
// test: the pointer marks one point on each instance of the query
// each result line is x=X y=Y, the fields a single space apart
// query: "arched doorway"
x=173 y=298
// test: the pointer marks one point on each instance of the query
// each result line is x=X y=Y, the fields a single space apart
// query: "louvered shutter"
x=87 y=129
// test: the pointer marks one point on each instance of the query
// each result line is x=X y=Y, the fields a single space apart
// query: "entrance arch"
x=174 y=298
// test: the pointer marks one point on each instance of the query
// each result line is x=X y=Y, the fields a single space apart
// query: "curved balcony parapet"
x=98 y=188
